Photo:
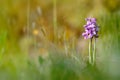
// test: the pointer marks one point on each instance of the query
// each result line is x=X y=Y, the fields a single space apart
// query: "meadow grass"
x=65 y=63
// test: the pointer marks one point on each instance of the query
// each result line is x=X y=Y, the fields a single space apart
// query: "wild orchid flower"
x=91 y=32
x=91 y=29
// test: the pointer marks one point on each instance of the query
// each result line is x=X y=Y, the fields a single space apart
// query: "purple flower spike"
x=91 y=28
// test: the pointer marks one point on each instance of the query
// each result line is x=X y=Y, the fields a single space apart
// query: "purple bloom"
x=91 y=28
x=85 y=35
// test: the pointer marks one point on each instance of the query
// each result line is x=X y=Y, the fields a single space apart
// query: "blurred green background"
x=41 y=40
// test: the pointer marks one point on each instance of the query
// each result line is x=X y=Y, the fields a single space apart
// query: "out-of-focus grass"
x=109 y=44
x=60 y=60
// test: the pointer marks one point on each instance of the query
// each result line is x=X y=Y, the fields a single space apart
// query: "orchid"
x=91 y=31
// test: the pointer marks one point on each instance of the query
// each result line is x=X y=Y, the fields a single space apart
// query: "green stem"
x=28 y=16
x=94 y=52
x=90 y=51
x=54 y=16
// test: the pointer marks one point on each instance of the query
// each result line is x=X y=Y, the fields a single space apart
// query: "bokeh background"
x=41 y=40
